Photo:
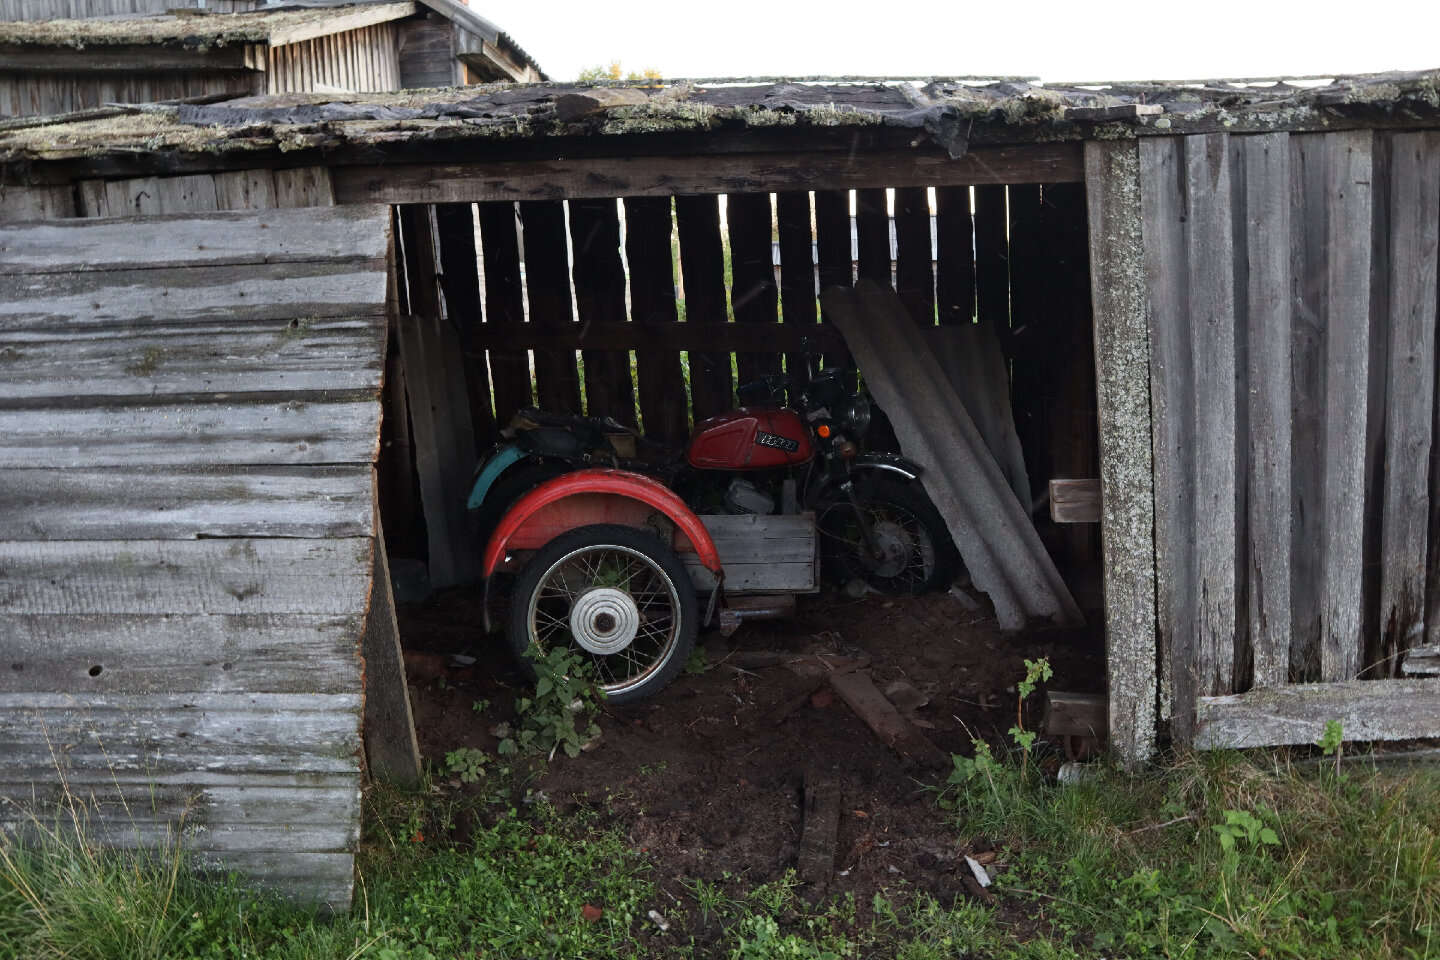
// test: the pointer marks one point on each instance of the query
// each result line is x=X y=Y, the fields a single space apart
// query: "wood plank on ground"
x=702 y=265
x=1297 y=713
x=859 y=692
x=819 y=830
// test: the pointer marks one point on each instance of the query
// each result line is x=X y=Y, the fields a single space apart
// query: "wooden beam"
x=354 y=18
x=701 y=174
x=126 y=58
x=666 y=335
x=1122 y=352
x=1297 y=713
x=391 y=750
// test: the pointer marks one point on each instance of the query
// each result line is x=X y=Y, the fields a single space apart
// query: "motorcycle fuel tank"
x=750 y=438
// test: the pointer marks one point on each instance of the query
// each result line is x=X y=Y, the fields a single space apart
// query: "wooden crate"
x=761 y=554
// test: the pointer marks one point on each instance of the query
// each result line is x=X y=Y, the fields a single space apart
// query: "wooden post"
x=1122 y=351
x=391 y=750
x=955 y=255
x=600 y=300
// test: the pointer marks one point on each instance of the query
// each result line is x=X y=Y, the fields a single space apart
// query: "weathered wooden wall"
x=366 y=60
x=188 y=422
x=260 y=189
x=427 y=53
x=31 y=94
x=1292 y=304
x=81 y=9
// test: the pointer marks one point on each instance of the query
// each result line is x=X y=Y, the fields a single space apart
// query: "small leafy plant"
x=1332 y=741
x=1036 y=672
x=561 y=714
x=467 y=763
x=1243 y=826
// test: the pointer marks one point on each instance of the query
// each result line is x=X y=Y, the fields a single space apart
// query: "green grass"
x=1316 y=866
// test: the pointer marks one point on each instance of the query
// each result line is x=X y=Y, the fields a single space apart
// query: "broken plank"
x=859 y=692
x=573 y=106
x=1298 y=713
x=821 y=829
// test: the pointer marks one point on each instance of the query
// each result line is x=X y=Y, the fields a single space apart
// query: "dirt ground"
x=707 y=777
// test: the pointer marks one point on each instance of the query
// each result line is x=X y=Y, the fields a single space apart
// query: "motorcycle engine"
x=742 y=496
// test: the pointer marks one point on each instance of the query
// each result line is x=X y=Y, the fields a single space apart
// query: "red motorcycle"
x=613 y=542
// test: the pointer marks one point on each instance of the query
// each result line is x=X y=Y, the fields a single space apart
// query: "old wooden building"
x=1219 y=299
x=53 y=61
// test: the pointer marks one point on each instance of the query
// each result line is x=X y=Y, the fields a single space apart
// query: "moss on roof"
x=951 y=113
x=184 y=28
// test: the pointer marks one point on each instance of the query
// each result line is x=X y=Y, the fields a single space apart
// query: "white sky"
x=1057 y=40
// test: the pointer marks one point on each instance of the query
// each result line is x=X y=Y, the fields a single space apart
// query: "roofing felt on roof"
x=188 y=28
x=950 y=112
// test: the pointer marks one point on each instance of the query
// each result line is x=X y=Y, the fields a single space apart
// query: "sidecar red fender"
x=584 y=497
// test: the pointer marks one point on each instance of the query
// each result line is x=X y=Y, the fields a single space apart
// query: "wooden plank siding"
x=365 y=60
x=235 y=190
x=1292 y=296
x=187 y=532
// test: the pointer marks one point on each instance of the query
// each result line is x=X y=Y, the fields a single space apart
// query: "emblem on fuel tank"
x=777 y=442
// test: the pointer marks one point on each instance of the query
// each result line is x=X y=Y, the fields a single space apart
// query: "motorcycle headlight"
x=855 y=415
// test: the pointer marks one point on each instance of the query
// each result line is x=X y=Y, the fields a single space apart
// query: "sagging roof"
x=953 y=113
x=198 y=29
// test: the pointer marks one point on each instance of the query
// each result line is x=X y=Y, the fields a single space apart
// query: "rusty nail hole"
x=295 y=324
x=226 y=666
x=17 y=667
x=96 y=670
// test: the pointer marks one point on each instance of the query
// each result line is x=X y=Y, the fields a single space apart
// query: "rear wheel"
x=615 y=595
x=913 y=551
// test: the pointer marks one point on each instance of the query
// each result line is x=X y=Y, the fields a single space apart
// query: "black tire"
x=647 y=610
x=522 y=477
x=919 y=555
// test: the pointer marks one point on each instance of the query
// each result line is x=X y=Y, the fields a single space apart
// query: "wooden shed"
x=1219 y=298
x=55 y=61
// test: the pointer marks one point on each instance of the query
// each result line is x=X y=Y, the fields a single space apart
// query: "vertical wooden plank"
x=600 y=299
x=992 y=269
x=752 y=286
x=438 y=405
x=914 y=256
x=702 y=264
x=835 y=262
x=547 y=289
x=1166 y=283
x=1026 y=253
x=94 y=199
x=304 y=187
x=460 y=283
x=1123 y=368
x=872 y=236
x=1347 y=351
x=1410 y=405
x=1309 y=219
x=1210 y=252
x=1264 y=163
x=1036 y=362
x=954 y=255
x=797 y=268
x=652 y=300
x=245 y=190
x=504 y=304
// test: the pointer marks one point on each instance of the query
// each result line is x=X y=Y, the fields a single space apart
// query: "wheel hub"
x=604 y=620
x=892 y=548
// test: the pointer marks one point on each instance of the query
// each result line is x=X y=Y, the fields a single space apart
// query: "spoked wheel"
x=913 y=552
x=618 y=597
